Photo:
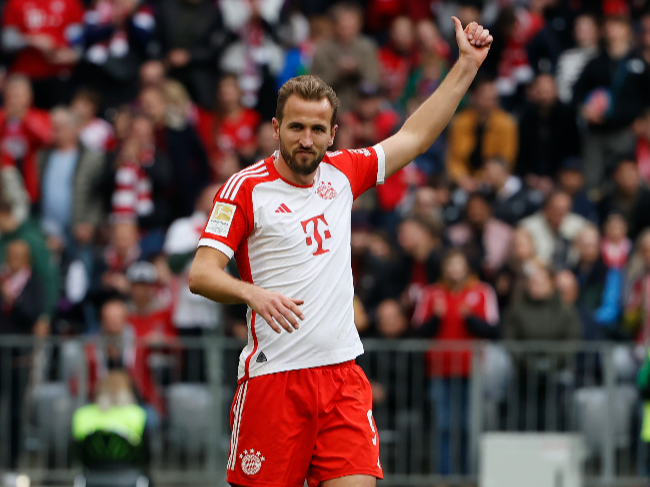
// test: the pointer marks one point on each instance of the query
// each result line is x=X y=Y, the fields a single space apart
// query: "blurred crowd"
x=528 y=219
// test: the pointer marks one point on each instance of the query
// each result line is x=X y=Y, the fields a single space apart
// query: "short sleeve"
x=229 y=223
x=364 y=168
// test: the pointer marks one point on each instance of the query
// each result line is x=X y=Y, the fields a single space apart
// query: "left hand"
x=473 y=42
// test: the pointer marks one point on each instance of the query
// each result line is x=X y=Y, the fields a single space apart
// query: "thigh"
x=351 y=481
x=348 y=440
x=273 y=431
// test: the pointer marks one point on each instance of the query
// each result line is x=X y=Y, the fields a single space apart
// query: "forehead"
x=307 y=112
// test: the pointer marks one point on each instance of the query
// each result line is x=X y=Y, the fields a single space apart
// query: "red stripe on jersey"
x=250 y=356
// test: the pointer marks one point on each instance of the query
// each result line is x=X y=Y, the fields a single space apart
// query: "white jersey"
x=295 y=240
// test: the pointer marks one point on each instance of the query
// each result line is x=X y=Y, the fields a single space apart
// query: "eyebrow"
x=315 y=126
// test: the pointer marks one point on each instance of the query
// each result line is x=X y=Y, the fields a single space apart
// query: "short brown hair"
x=309 y=88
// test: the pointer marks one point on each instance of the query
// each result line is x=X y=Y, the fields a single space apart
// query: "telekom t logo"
x=317 y=236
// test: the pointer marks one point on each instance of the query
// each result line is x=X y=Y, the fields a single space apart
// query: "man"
x=611 y=92
x=71 y=209
x=287 y=220
x=512 y=200
x=24 y=131
x=348 y=59
x=548 y=133
x=47 y=40
x=552 y=228
x=629 y=197
x=480 y=132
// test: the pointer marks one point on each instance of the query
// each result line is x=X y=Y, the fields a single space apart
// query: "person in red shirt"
x=398 y=57
x=46 y=37
x=458 y=308
x=23 y=131
x=232 y=128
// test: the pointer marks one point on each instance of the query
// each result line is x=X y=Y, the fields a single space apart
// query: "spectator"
x=421 y=243
x=114 y=408
x=397 y=58
x=611 y=93
x=44 y=268
x=254 y=55
x=193 y=316
x=169 y=110
x=116 y=349
x=600 y=287
x=432 y=67
x=509 y=282
x=636 y=318
x=191 y=36
x=570 y=178
x=20 y=306
x=118 y=37
x=95 y=133
x=149 y=310
x=615 y=246
x=553 y=227
x=372 y=119
x=266 y=143
x=641 y=128
x=71 y=209
x=109 y=269
x=512 y=199
x=231 y=128
x=541 y=316
x=484 y=239
x=458 y=308
x=22 y=293
x=137 y=181
x=548 y=133
x=478 y=133
x=572 y=61
x=567 y=287
x=46 y=39
x=629 y=197
x=23 y=132
x=348 y=59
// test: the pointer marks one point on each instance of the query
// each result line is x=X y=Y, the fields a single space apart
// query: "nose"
x=306 y=141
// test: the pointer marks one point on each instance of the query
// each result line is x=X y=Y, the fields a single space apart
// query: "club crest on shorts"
x=251 y=461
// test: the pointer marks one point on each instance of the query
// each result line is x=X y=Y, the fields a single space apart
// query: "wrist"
x=467 y=63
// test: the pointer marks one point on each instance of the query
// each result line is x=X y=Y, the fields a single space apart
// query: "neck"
x=287 y=173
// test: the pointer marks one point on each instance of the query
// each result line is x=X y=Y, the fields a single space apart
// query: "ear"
x=332 y=134
x=276 y=128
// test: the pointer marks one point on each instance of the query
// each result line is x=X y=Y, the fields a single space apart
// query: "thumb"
x=457 y=24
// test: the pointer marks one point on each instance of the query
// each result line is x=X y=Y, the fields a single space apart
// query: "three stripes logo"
x=283 y=209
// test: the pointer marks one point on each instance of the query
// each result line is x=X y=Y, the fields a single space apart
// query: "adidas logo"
x=261 y=358
x=283 y=209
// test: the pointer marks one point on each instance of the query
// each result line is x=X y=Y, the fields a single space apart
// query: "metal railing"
x=433 y=401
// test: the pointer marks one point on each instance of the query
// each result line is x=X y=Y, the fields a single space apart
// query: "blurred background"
x=502 y=278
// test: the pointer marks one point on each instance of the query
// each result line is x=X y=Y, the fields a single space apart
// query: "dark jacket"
x=636 y=214
x=19 y=318
x=545 y=141
x=548 y=319
x=198 y=28
x=627 y=81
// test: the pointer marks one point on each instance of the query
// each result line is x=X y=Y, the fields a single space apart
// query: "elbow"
x=194 y=281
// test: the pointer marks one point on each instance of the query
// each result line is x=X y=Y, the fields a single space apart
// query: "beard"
x=297 y=163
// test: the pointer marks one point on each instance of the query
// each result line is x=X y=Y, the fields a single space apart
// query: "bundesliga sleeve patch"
x=221 y=219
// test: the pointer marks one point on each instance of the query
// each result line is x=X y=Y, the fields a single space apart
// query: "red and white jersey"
x=295 y=240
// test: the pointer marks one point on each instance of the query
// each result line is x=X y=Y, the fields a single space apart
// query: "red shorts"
x=313 y=424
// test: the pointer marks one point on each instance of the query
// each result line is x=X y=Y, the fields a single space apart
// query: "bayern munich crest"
x=251 y=461
x=326 y=191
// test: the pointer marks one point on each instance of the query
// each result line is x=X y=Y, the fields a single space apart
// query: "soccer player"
x=303 y=409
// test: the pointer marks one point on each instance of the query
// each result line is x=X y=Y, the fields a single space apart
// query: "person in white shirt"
x=303 y=408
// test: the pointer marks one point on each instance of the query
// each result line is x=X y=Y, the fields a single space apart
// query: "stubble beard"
x=302 y=169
